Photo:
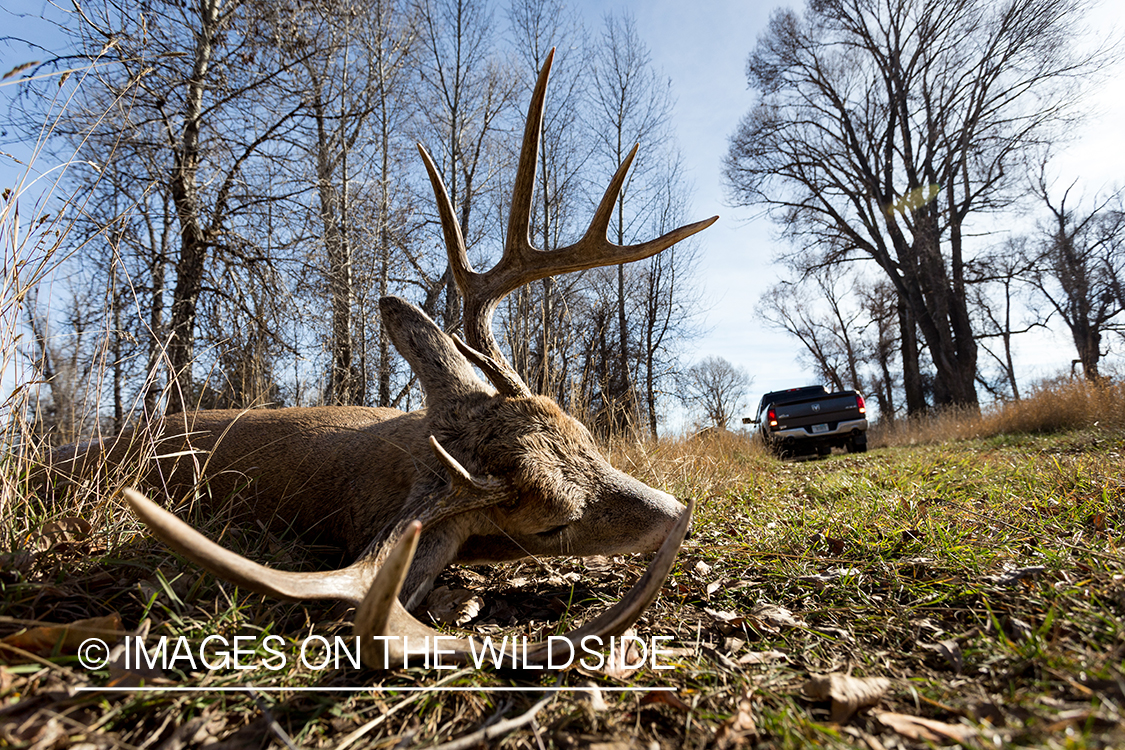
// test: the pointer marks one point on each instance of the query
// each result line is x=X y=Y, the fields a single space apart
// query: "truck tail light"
x=772 y=416
x=860 y=404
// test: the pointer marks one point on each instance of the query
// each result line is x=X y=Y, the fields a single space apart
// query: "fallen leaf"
x=740 y=728
x=1009 y=577
x=624 y=660
x=713 y=587
x=20 y=562
x=452 y=606
x=910 y=535
x=44 y=639
x=918 y=728
x=777 y=616
x=63 y=534
x=1018 y=630
x=594 y=696
x=848 y=694
x=762 y=657
x=666 y=697
x=130 y=670
x=6 y=679
x=950 y=650
x=702 y=568
x=723 y=616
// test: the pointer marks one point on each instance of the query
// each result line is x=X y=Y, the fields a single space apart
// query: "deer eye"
x=553 y=532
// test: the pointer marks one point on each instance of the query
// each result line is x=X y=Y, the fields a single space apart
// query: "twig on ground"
x=359 y=733
x=498 y=729
x=275 y=728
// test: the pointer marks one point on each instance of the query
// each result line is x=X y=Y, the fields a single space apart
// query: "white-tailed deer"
x=487 y=472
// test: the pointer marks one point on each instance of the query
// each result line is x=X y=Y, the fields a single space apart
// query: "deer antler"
x=521 y=262
x=381 y=621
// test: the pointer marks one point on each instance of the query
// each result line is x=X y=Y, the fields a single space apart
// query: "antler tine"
x=518 y=244
x=384 y=624
x=336 y=584
x=497 y=372
x=451 y=228
x=485 y=490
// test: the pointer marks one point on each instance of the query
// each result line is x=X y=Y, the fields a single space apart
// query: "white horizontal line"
x=482 y=689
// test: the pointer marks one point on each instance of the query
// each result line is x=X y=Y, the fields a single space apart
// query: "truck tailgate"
x=817 y=411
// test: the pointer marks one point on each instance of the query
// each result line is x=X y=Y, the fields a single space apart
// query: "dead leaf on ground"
x=43 y=640
x=594 y=696
x=20 y=561
x=950 y=650
x=762 y=657
x=6 y=679
x=848 y=694
x=130 y=670
x=773 y=617
x=928 y=730
x=1010 y=577
x=725 y=617
x=740 y=728
x=65 y=531
x=1018 y=630
x=452 y=606
x=702 y=568
x=665 y=697
x=835 y=545
x=625 y=659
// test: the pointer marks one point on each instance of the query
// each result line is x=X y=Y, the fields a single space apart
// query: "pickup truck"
x=802 y=421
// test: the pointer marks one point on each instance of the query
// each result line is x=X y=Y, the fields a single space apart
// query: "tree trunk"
x=185 y=198
x=911 y=370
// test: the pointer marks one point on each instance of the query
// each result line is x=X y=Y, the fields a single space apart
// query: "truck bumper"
x=803 y=439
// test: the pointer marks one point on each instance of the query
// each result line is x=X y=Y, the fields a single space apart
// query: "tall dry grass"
x=708 y=463
x=1054 y=405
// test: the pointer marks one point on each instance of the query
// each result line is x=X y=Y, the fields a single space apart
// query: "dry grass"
x=711 y=462
x=1052 y=406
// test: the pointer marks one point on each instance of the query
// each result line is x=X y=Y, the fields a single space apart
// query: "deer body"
x=294 y=469
x=351 y=475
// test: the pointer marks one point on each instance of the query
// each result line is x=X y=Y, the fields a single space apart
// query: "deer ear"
x=445 y=373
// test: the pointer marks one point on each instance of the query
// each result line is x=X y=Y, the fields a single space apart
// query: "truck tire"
x=858 y=444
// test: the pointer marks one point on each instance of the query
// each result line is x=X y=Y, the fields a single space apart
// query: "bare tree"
x=350 y=63
x=884 y=126
x=995 y=280
x=535 y=319
x=464 y=91
x=630 y=105
x=1079 y=269
x=174 y=108
x=667 y=305
x=716 y=388
x=823 y=320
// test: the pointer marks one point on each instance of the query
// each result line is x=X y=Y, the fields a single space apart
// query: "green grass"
x=1008 y=549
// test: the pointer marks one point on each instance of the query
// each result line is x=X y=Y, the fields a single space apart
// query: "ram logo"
x=816 y=407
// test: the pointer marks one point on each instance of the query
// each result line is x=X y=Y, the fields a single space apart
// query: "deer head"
x=490 y=471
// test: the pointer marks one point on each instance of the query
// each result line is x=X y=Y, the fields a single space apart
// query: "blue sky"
x=702 y=48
